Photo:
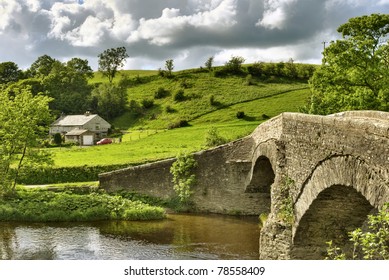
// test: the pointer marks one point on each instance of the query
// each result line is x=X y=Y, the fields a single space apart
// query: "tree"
x=169 y=66
x=209 y=63
x=80 y=66
x=42 y=66
x=110 y=60
x=69 y=89
x=110 y=100
x=9 y=72
x=354 y=71
x=234 y=65
x=24 y=119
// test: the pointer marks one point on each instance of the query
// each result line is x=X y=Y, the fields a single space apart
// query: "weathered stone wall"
x=349 y=150
x=221 y=178
x=302 y=161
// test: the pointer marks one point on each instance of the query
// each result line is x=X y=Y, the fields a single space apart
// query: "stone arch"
x=335 y=212
x=335 y=199
x=262 y=174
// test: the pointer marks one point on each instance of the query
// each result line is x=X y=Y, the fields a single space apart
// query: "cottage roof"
x=74 y=120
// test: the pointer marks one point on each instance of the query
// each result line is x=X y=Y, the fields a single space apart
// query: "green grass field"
x=207 y=102
x=150 y=144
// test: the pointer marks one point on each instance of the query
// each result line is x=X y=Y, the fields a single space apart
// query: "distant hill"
x=197 y=96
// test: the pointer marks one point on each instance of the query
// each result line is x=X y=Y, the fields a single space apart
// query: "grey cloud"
x=188 y=31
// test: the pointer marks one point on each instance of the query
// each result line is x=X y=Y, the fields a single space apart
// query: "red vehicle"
x=104 y=141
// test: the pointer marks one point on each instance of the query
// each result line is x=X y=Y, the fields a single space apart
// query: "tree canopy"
x=9 y=72
x=354 y=74
x=23 y=122
x=111 y=60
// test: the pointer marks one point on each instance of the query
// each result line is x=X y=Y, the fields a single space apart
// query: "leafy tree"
x=234 y=65
x=33 y=84
x=209 y=63
x=372 y=244
x=169 y=66
x=23 y=122
x=70 y=91
x=9 y=72
x=42 y=66
x=354 y=71
x=80 y=66
x=111 y=60
x=110 y=100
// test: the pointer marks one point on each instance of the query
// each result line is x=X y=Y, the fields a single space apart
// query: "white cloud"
x=161 y=31
x=7 y=10
x=275 y=14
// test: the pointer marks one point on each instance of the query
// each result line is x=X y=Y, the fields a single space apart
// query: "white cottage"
x=84 y=129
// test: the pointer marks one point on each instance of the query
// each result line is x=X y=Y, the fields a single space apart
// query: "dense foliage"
x=23 y=122
x=111 y=60
x=48 y=206
x=354 y=74
x=183 y=176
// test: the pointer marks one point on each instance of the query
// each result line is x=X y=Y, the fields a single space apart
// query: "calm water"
x=186 y=237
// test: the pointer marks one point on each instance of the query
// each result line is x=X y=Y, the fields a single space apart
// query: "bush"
x=240 y=115
x=183 y=176
x=213 y=138
x=161 y=93
x=51 y=175
x=234 y=65
x=169 y=109
x=369 y=245
x=265 y=117
x=179 y=96
x=147 y=103
x=47 y=206
x=178 y=124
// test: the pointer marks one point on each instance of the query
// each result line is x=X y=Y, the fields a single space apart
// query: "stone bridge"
x=316 y=178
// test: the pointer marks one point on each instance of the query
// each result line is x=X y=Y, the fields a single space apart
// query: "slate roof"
x=74 y=120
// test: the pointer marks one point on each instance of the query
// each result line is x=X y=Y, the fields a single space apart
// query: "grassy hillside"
x=205 y=101
x=197 y=90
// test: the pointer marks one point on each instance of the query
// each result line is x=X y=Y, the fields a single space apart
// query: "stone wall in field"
x=317 y=177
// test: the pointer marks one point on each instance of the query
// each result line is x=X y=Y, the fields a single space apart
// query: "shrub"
x=234 y=65
x=51 y=175
x=249 y=80
x=161 y=93
x=179 y=96
x=178 y=124
x=183 y=177
x=240 y=115
x=147 y=103
x=47 y=206
x=169 y=109
x=213 y=138
x=372 y=244
x=57 y=138
x=265 y=117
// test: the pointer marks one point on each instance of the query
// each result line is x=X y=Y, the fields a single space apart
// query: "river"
x=179 y=237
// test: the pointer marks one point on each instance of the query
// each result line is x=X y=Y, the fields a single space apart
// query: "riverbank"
x=45 y=204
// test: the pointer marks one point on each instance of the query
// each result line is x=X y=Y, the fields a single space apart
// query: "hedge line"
x=55 y=175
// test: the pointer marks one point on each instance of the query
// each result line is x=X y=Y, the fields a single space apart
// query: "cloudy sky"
x=188 y=31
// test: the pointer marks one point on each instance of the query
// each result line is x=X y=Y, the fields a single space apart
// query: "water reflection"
x=177 y=237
